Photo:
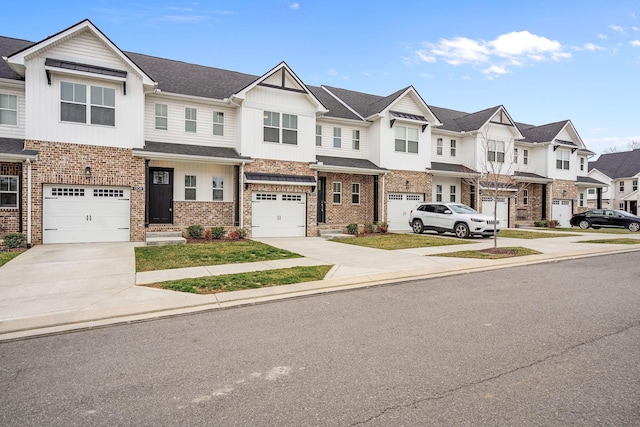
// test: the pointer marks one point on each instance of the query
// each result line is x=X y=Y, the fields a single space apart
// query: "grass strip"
x=151 y=258
x=400 y=241
x=525 y=234
x=491 y=253
x=5 y=257
x=252 y=280
x=618 y=241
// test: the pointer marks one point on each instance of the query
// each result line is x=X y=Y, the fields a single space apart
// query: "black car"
x=606 y=218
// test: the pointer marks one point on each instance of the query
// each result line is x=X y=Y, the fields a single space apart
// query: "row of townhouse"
x=97 y=144
x=620 y=171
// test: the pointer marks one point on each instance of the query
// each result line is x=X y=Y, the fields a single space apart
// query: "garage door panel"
x=278 y=214
x=399 y=207
x=502 y=208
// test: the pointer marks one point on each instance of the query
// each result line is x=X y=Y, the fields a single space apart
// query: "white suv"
x=453 y=217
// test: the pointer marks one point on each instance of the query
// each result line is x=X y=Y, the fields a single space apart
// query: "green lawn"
x=600 y=230
x=400 y=241
x=253 y=280
x=618 y=241
x=5 y=257
x=526 y=234
x=201 y=254
x=507 y=252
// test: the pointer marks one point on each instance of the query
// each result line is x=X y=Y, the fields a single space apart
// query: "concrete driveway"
x=48 y=282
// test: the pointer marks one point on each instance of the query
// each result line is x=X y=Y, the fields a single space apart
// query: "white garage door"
x=78 y=214
x=399 y=206
x=561 y=212
x=278 y=214
x=502 y=208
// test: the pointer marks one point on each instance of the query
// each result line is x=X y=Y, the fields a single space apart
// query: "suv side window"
x=430 y=208
x=440 y=209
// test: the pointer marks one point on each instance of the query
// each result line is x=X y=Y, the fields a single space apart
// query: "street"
x=547 y=344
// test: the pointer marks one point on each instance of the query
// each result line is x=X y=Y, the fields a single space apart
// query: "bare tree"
x=633 y=145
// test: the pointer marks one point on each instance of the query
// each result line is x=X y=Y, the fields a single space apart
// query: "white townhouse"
x=98 y=144
x=620 y=171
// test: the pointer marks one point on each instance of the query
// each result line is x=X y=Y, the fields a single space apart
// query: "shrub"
x=541 y=223
x=14 y=240
x=383 y=227
x=207 y=234
x=242 y=233
x=195 y=231
x=217 y=233
x=369 y=227
x=234 y=235
x=352 y=228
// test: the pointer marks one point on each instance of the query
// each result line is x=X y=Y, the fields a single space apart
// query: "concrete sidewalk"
x=55 y=288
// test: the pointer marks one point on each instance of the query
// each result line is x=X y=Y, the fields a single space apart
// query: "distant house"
x=98 y=144
x=621 y=172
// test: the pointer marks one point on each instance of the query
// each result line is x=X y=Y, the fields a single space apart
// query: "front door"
x=160 y=196
x=322 y=199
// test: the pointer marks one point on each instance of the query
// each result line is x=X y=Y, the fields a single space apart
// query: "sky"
x=545 y=61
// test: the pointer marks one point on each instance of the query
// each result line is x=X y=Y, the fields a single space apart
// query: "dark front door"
x=160 y=196
x=322 y=199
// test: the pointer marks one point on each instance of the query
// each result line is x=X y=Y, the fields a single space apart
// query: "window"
x=161 y=177
x=8 y=191
x=103 y=106
x=318 y=135
x=406 y=140
x=337 y=193
x=272 y=130
x=581 y=163
x=218 y=123
x=218 y=185
x=581 y=201
x=453 y=148
x=634 y=185
x=337 y=137
x=452 y=193
x=355 y=139
x=621 y=186
x=621 y=206
x=8 y=109
x=189 y=187
x=515 y=155
x=73 y=102
x=592 y=191
x=162 y=116
x=525 y=197
x=495 y=152
x=190 y=119
x=562 y=159
x=355 y=193
x=525 y=157
x=439 y=147
x=438 y=193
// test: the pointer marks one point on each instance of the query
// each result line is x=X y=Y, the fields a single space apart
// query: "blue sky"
x=545 y=61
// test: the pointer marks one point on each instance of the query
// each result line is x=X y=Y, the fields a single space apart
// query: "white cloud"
x=635 y=43
x=602 y=36
x=507 y=50
x=590 y=47
x=617 y=28
x=426 y=76
x=294 y=6
x=333 y=72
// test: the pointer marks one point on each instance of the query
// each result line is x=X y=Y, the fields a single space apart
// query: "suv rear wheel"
x=417 y=226
x=461 y=230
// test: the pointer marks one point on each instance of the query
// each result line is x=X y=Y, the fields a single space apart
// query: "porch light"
x=87 y=172
x=407 y=184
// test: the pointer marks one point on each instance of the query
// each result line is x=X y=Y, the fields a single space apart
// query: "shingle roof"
x=9 y=46
x=459 y=121
x=344 y=162
x=335 y=107
x=544 y=133
x=587 y=180
x=448 y=167
x=364 y=103
x=285 y=179
x=191 y=150
x=15 y=147
x=618 y=165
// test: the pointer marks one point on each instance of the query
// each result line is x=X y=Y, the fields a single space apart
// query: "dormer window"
x=562 y=159
x=406 y=139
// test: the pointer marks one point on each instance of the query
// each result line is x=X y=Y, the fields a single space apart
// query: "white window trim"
x=17 y=192
x=280 y=127
x=525 y=197
x=407 y=140
x=452 y=193
x=453 y=147
x=10 y=95
x=355 y=139
x=353 y=192
x=337 y=137
x=334 y=192
x=497 y=148
x=218 y=124
x=439 y=149
x=215 y=188
x=159 y=116
x=525 y=157
x=88 y=103
x=438 y=193
x=189 y=119
x=564 y=157
x=191 y=187
x=318 y=135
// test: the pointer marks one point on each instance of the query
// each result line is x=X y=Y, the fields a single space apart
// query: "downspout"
x=29 y=243
x=383 y=199
x=241 y=196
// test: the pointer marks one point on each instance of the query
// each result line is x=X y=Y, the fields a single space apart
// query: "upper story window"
x=621 y=186
x=355 y=138
x=218 y=123
x=273 y=132
x=453 y=147
x=515 y=155
x=634 y=185
x=189 y=187
x=495 y=151
x=318 y=135
x=581 y=164
x=337 y=137
x=162 y=117
x=73 y=104
x=439 y=147
x=8 y=109
x=562 y=159
x=8 y=191
x=190 y=120
x=406 y=139
x=525 y=157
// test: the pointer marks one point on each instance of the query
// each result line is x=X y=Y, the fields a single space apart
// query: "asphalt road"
x=552 y=344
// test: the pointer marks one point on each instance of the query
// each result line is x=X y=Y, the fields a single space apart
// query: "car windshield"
x=462 y=209
x=623 y=213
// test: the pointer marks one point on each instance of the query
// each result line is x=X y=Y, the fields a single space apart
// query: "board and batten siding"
x=17 y=131
x=175 y=132
x=261 y=99
x=346 y=149
x=204 y=173
x=43 y=99
x=406 y=104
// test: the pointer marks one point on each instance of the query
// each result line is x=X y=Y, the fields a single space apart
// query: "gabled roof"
x=587 y=181
x=9 y=46
x=543 y=133
x=459 y=121
x=336 y=108
x=624 y=164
